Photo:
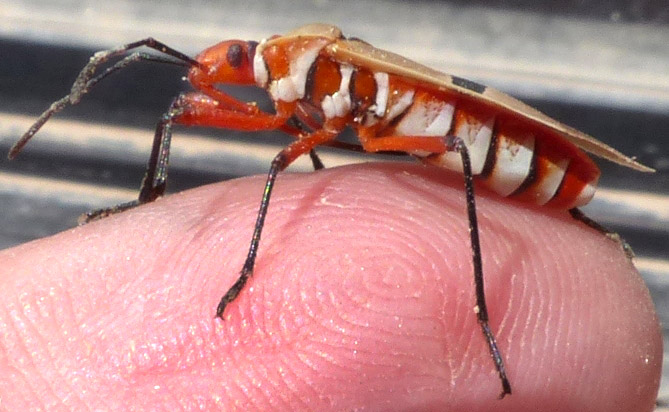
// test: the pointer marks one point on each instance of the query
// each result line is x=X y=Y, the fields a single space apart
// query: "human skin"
x=362 y=299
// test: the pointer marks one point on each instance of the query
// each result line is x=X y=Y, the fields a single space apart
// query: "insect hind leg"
x=577 y=214
x=454 y=143
x=436 y=145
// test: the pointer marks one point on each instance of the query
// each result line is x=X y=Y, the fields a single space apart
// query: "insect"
x=321 y=82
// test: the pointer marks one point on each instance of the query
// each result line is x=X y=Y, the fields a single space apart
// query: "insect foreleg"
x=155 y=178
x=280 y=162
x=193 y=108
x=455 y=143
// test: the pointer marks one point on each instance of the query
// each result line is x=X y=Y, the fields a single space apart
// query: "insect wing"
x=362 y=54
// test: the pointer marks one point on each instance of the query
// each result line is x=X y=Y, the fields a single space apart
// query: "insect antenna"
x=86 y=79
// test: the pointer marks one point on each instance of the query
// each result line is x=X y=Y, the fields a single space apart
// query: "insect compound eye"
x=234 y=55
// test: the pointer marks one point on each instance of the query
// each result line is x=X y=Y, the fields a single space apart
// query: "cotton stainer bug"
x=324 y=82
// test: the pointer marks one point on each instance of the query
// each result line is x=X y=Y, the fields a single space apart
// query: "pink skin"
x=362 y=299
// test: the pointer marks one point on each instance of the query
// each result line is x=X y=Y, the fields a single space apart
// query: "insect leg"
x=305 y=126
x=299 y=133
x=280 y=162
x=577 y=214
x=410 y=144
x=407 y=144
x=316 y=160
x=86 y=80
x=223 y=116
x=455 y=143
x=431 y=144
x=188 y=109
x=155 y=178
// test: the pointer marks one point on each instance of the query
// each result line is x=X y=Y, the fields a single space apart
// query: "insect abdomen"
x=513 y=156
x=519 y=159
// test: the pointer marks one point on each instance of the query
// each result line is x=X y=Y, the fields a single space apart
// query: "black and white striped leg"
x=454 y=143
x=577 y=214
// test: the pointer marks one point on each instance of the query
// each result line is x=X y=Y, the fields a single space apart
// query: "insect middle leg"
x=282 y=160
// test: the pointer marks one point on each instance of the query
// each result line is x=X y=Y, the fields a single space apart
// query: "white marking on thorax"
x=284 y=89
x=550 y=183
x=339 y=103
x=291 y=87
x=512 y=164
x=382 y=86
x=259 y=68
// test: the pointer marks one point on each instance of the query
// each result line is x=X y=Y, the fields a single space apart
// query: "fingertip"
x=363 y=290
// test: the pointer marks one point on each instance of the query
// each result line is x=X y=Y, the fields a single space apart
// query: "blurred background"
x=602 y=67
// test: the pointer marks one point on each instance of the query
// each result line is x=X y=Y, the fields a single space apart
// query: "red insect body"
x=511 y=153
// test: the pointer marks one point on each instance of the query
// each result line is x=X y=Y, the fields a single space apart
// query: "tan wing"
x=362 y=54
x=317 y=30
x=310 y=30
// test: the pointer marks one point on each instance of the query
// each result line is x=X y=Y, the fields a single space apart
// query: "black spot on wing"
x=468 y=84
